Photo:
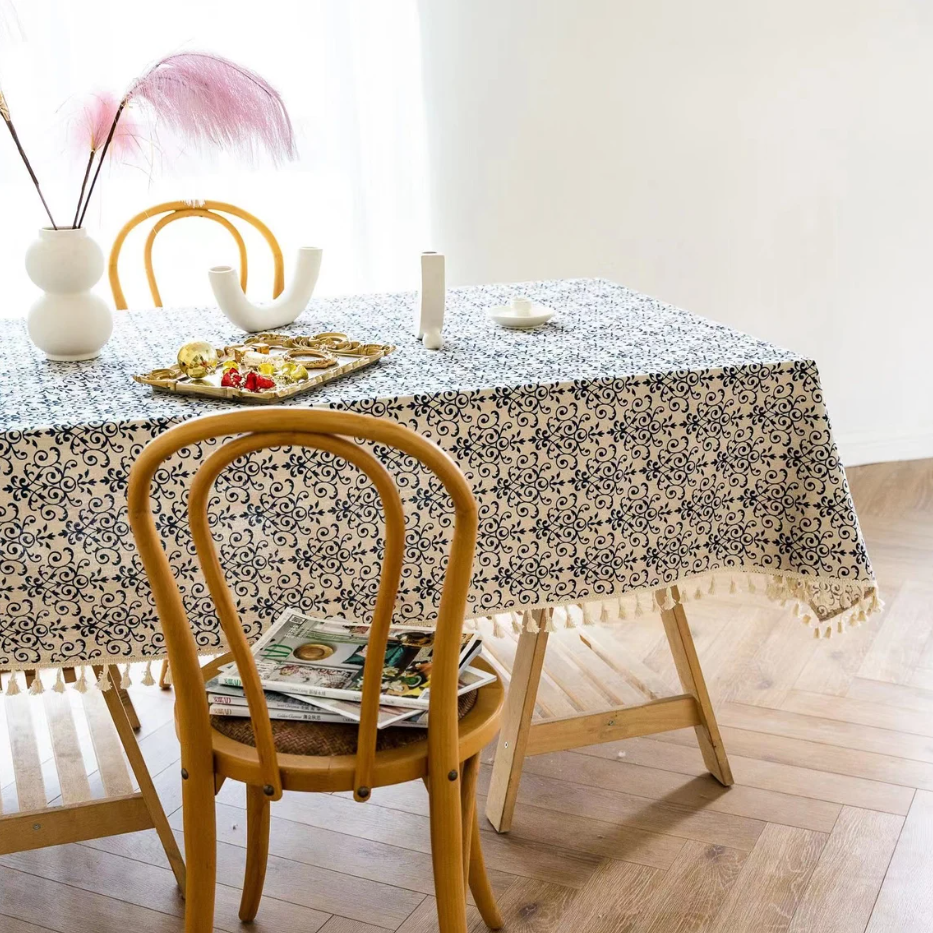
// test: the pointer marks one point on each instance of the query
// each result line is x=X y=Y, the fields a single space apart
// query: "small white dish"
x=521 y=313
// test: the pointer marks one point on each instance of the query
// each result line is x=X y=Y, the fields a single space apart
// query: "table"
x=627 y=449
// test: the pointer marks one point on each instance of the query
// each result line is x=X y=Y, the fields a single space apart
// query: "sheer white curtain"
x=350 y=73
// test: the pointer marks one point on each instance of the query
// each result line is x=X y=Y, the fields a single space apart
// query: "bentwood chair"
x=178 y=210
x=270 y=757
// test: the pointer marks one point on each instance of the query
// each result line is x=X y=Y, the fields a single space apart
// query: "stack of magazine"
x=312 y=670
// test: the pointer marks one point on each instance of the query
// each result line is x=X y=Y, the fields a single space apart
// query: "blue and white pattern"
x=627 y=445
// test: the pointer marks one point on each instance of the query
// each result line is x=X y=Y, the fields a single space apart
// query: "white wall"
x=767 y=164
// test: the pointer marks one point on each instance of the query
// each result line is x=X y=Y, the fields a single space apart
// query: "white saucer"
x=520 y=313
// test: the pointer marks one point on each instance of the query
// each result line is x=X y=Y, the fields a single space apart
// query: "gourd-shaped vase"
x=68 y=322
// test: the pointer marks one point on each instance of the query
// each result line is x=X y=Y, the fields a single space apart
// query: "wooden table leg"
x=516 y=724
x=691 y=677
x=124 y=729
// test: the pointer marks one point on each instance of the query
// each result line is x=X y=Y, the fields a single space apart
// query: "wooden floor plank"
x=832 y=668
x=773 y=880
x=612 y=900
x=767 y=775
x=613 y=806
x=827 y=732
x=897 y=647
x=774 y=668
x=858 y=712
x=11 y=925
x=66 y=909
x=905 y=902
x=702 y=792
x=848 y=876
x=900 y=696
x=534 y=907
x=692 y=893
x=834 y=759
x=152 y=887
x=423 y=919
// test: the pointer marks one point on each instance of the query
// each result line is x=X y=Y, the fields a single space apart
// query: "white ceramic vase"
x=283 y=310
x=68 y=322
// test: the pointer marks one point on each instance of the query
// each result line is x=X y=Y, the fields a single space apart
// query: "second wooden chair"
x=271 y=757
x=178 y=210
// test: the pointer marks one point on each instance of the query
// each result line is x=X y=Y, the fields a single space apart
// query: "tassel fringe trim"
x=803 y=594
x=797 y=593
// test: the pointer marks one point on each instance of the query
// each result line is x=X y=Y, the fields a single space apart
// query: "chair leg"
x=447 y=853
x=164 y=681
x=257 y=851
x=200 y=823
x=479 y=882
x=473 y=863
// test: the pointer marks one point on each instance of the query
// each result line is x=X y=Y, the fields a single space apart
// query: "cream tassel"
x=12 y=687
x=638 y=610
x=103 y=682
x=59 y=686
x=549 y=625
x=796 y=609
x=732 y=587
x=604 y=614
x=751 y=584
x=668 y=602
x=531 y=623
x=816 y=632
x=81 y=685
x=37 y=686
x=516 y=623
x=497 y=631
x=570 y=620
x=698 y=593
x=125 y=680
x=469 y=625
x=623 y=612
x=589 y=614
x=148 y=679
x=712 y=585
x=684 y=596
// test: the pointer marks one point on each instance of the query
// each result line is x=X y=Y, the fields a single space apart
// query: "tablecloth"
x=624 y=447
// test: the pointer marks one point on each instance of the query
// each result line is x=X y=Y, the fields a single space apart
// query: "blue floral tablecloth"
x=626 y=446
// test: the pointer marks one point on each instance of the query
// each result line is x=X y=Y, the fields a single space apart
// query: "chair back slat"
x=331 y=432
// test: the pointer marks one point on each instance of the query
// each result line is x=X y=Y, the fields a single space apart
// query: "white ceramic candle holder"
x=432 y=300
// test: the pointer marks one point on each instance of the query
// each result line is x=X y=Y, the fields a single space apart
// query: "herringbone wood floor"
x=829 y=828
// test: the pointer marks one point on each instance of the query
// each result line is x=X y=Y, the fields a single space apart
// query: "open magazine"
x=319 y=662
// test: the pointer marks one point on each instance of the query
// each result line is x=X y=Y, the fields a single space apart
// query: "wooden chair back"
x=329 y=431
x=177 y=210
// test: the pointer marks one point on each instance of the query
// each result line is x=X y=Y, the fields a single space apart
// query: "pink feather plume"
x=93 y=124
x=214 y=102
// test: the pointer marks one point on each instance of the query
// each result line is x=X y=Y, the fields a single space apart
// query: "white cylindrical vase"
x=68 y=322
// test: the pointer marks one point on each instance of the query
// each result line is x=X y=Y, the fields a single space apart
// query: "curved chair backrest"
x=176 y=210
x=333 y=432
